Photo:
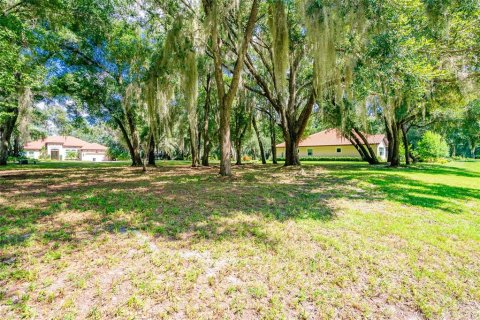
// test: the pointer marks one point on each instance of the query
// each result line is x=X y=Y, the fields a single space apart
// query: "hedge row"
x=326 y=159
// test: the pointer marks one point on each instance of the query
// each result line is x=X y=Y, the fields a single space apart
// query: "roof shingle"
x=333 y=137
x=66 y=141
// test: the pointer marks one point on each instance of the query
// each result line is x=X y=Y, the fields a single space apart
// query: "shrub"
x=432 y=147
x=71 y=155
x=326 y=159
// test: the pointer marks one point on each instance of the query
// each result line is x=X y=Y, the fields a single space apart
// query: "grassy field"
x=328 y=240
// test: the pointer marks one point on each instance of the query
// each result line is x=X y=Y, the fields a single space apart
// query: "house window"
x=339 y=150
x=310 y=152
x=381 y=151
x=282 y=155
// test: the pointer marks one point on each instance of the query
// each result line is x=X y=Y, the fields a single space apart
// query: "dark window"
x=310 y=152
x=339 y=150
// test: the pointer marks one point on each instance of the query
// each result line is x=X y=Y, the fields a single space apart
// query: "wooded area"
x=227 y=79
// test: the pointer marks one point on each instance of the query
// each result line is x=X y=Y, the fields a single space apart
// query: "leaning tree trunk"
x=134 y=155
x=260 y=144
x=366 y=148
x=137 y=158
x=367 y=154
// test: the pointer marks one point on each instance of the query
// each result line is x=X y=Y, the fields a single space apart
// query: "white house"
x=65 y=148
x=331 y=143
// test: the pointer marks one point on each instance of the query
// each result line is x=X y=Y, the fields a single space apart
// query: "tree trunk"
x=151 y=152
x=16 y=146
x=137 y=159
x=193 y=147
x=226 y=98
x=366 y=148
x=395 y=159
x=134 y=156
x=273 y=138
x=238 y=151
x=206 y=139
x=389 y=134
x=366 y=154
x=291 y=153
x=260 y=144
x=473 y=149
x=5 y=135
x=405 y=144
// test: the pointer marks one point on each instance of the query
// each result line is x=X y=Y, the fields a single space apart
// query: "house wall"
x=35 y=154
x=382 y=154
x=328 y=151
x=93 y=156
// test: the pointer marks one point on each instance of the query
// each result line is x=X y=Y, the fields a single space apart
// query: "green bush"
x=71 y=155
x=326 y=159
x=432 y=147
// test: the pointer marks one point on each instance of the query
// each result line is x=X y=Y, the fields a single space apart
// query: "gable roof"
x=66 y=141
x=333 y=137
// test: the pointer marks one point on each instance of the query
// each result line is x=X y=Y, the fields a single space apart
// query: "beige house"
x=65 y=148
x=330 y=143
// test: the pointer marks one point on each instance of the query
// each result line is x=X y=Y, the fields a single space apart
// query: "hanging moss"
x=278 y=25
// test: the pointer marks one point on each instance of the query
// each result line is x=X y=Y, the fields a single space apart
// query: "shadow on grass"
x=178 y=201
x=169 y=201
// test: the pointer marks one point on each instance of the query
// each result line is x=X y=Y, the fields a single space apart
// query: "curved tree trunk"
x=366 y=153
x=365 y=146
x=134 y=155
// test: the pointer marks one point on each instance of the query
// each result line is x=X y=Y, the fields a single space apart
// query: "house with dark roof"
x=331 y=143
x=65 y=148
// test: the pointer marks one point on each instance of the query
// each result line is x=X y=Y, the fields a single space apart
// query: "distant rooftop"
x=333 y=137
x=66 y=141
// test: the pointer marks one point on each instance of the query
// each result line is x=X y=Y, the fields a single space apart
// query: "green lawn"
x=327 y=240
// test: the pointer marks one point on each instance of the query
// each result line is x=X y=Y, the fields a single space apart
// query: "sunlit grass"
x=328 y=240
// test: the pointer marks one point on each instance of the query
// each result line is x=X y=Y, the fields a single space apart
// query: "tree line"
x=176 y=76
